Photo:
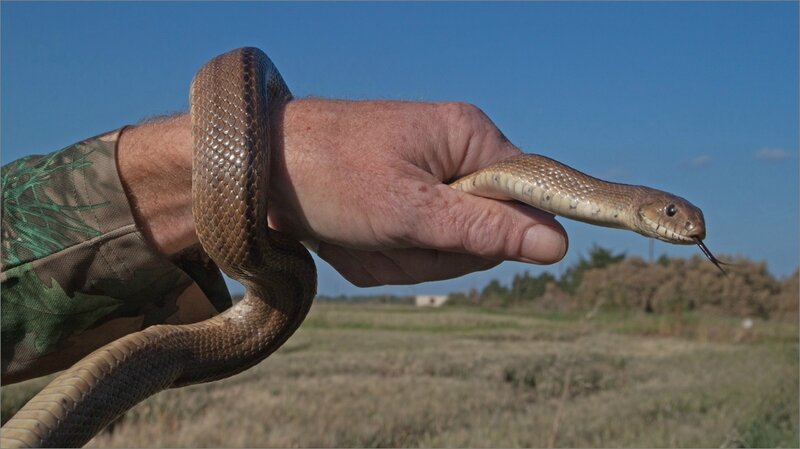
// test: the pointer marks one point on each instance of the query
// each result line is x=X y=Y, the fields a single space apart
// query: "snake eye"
x=671 y=210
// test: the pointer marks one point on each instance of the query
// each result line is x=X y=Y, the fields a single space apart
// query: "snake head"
x=673 y=219
x=670 y=218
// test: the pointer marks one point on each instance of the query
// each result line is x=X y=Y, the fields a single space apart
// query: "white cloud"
x=701 y=161
x=773 y=154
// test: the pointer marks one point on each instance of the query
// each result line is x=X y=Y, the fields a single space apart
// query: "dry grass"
x=378 y=376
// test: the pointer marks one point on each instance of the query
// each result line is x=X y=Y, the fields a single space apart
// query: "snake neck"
x=551 y=186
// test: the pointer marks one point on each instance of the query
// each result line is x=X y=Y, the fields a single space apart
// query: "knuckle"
x=462 y=114
x=490 y=234
x=473 y=130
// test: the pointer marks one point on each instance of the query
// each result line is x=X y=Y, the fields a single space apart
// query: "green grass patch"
x=373 y=375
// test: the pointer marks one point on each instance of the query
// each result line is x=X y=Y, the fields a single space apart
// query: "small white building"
x=430 y=300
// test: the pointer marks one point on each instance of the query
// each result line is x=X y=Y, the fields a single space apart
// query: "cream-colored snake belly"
x=232 y=97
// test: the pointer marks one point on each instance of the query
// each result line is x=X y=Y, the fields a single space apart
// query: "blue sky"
x=700 y=99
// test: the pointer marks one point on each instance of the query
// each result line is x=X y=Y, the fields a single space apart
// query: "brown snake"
x=232 y=97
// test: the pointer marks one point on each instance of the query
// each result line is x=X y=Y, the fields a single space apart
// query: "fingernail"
x=543 y=244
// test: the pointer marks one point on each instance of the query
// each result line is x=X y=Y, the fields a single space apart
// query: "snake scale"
x=232 y=97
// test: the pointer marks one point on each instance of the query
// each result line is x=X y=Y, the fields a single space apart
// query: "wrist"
x=154 y=161
x=288 y=167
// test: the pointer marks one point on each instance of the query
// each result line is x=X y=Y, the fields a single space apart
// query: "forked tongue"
x=710 y=256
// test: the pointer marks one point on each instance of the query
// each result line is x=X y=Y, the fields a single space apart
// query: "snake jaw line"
x=662 y=232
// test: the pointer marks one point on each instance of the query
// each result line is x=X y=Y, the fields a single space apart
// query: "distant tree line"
x=605 y=280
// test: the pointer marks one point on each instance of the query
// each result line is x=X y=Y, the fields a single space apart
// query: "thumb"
x=491 y=229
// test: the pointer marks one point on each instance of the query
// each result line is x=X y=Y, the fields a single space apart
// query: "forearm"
x=77 y=271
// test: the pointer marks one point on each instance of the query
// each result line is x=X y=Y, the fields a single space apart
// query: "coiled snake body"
x=232 y=97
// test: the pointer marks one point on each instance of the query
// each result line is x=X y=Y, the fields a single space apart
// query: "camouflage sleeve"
x=76 y=271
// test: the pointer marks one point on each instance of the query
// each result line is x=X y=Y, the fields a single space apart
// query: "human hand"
x=366 y=182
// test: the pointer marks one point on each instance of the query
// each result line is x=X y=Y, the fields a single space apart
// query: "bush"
x=608 y=280
x=747 y=290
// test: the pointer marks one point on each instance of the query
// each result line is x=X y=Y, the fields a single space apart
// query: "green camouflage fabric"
x=76 y=271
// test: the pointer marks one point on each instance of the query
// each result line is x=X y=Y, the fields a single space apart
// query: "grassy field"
x=387 y=376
